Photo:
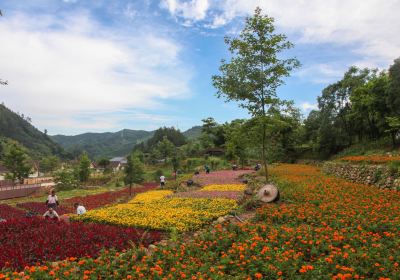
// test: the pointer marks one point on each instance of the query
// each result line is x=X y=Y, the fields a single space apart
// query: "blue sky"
x=95 y=65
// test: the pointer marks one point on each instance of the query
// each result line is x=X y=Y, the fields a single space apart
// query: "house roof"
x=114 y=164
x=119 y=159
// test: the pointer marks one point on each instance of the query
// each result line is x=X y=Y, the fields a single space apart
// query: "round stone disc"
x=268 y=193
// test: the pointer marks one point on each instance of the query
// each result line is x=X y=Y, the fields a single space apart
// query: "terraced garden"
x=323 y=228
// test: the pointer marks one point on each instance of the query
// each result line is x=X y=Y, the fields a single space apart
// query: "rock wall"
x=379 y=175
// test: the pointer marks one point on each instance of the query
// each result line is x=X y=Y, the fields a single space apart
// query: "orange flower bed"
x=371 y=159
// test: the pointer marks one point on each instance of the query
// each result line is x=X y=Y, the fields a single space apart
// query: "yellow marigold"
x=226 y=187
x=182 y=214
x=150 y=196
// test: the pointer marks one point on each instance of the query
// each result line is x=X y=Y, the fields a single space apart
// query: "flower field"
x=324 y=228
x=89 y=201
x=371 y=159
x=225 y=187
x=182 y=214
x=40 y=208
x=8 y=212
x=29 y=241
x=150 y=196
x=235 y=195
x=220 y=177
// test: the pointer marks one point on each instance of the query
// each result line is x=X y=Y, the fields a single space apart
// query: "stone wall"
x=381 y=176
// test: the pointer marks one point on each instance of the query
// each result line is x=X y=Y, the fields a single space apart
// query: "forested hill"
x=107 y=144
x=193 y=133
x=110 y=144
x=18 y=128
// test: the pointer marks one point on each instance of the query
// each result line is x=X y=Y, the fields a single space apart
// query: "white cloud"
x=370 y=28
x=306 y=107
x=321 y=73
x=57 y=67
x=190 y=10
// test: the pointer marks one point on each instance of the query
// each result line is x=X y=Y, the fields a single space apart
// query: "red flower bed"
x=8 y=212
x=29 y=241
x=220 y=177
x=40 y=208
x=90 y=201
x=102 y=199
x=211 y=194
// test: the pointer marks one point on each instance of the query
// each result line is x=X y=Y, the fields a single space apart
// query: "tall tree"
x=165 y=147
x=134 y=171
x=255 y=70
x=17 y=162
x=84 y=167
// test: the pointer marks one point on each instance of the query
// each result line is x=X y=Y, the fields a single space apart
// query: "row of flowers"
x=150 y=196
x=89 y=201
x=235 y=195
x=371 y=159
x=220 y=177
x=327 y=229
x=29 y=241
x=224 y=187
x=182 y=214
x=8 y=212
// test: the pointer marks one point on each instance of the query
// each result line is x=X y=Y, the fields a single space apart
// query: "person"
x=257 y=167
x=52 y=200
x=234 y=167
x=51 y=214
x=80 y=209
x=162 y=180
x=207 y=169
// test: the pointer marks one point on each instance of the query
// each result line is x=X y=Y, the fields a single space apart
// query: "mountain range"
x=14 y=126
x=17 y=127
x=110 y=144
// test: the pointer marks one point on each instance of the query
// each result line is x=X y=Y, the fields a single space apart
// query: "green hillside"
x=193 y=133
x=107 y=144
x=18 y=128
x=111 y=144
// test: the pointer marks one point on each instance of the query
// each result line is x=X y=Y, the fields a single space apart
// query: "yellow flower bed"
x=181 y=213
x=226 y=187
x=150 y=196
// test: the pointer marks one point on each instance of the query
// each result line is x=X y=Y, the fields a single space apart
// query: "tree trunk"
x=263 y=152
x=393 y=139
x=130 y=189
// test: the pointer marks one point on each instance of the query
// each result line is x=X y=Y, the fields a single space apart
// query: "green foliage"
x=17 y=161
x=18 y=127
x=394 y=168
x=84 y=167
x=66 y=179
x=361 y=108
x=49 y=164
x=255 y=70
x=134 y=170
x=165 y=148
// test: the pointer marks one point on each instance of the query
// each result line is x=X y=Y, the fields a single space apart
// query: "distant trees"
x=17 y=162
x=255 y=70
x=84 y=167
x=363 y=106
x=134 y=171
x=49 y=164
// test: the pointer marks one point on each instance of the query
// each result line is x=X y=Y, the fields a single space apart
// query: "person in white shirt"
x=162 y=180
x=51 y=214
x=52 y=200
x=80 y=209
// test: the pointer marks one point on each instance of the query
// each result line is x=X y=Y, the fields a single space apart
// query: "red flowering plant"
x=29 y=241
x=8 y=212
x=90 y=201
